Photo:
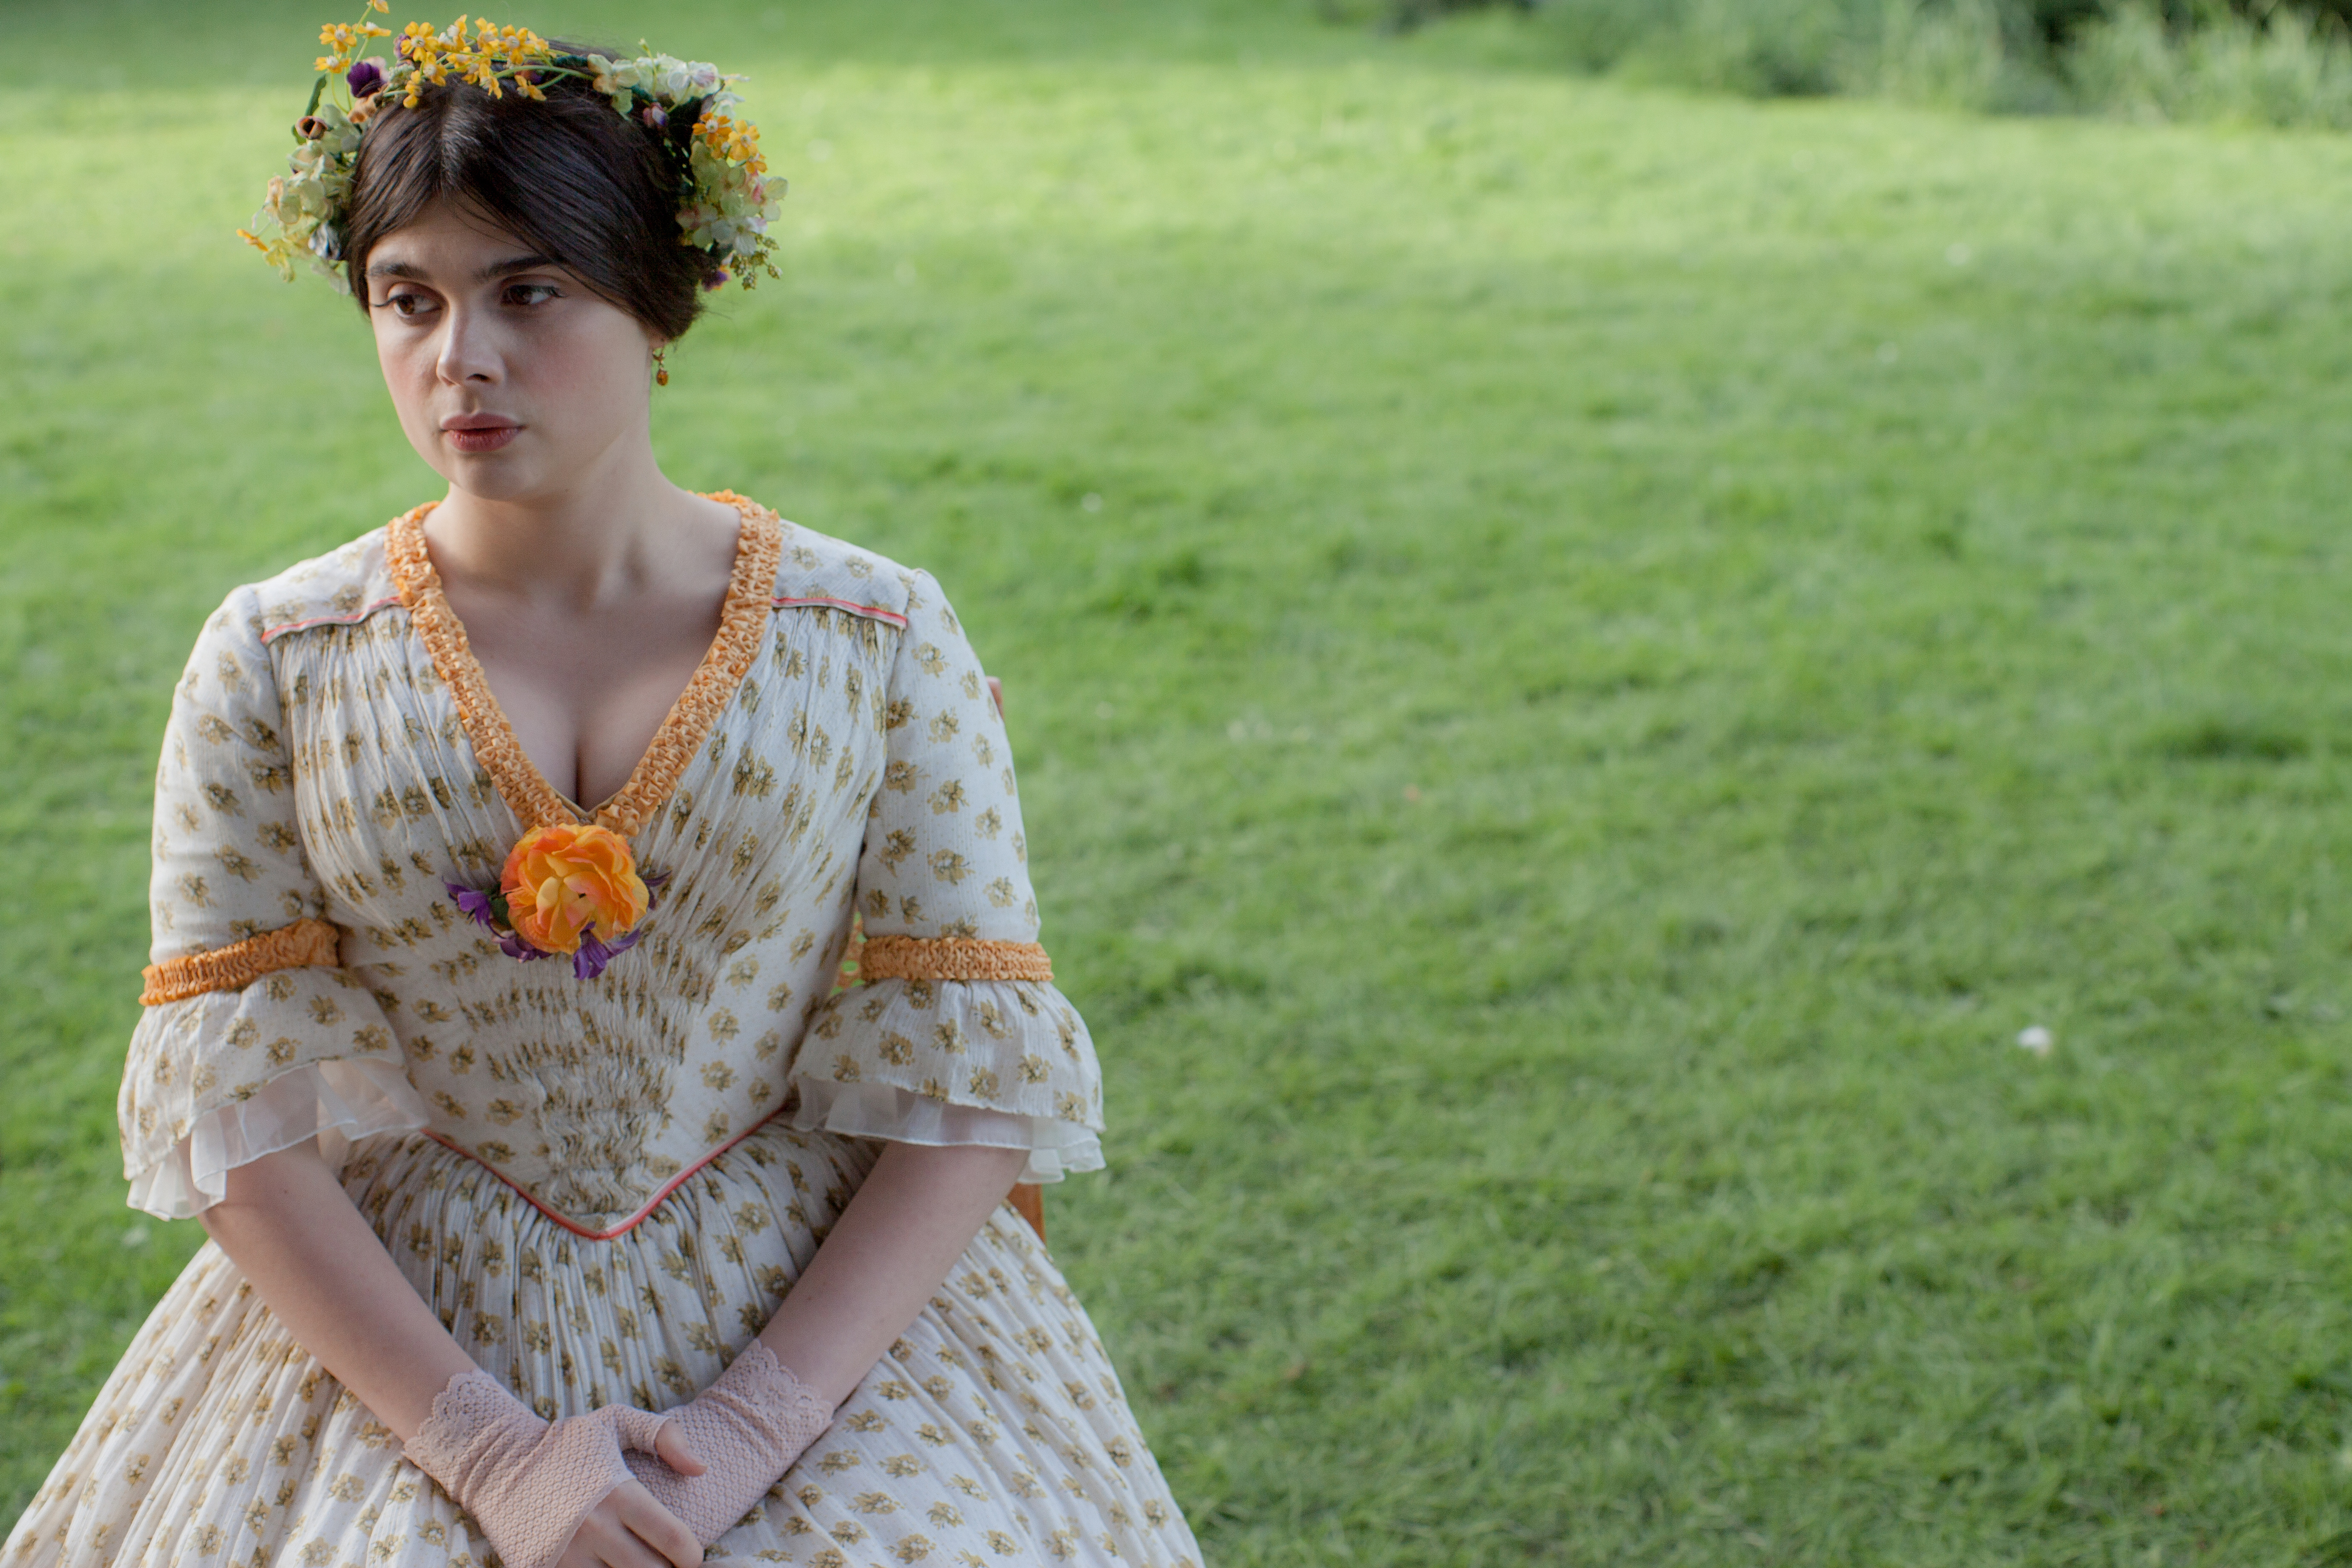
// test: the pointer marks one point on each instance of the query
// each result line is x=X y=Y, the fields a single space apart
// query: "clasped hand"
x=628 y=1528
x=618 y=1488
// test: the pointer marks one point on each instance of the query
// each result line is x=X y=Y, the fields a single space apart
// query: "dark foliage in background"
x=2276 y=62
x=2052 y=24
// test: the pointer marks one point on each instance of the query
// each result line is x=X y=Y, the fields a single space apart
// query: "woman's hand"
x=629 y=1530
x=542 y=1493
x=750 y=1425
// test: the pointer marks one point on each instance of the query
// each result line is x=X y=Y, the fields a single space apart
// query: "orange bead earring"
x=661 y=370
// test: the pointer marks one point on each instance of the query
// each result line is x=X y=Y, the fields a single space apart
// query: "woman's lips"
x=478 y=433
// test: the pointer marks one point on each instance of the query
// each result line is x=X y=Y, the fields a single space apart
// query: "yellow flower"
x=562 y=879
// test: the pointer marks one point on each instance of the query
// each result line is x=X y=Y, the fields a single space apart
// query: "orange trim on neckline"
x=742 y=622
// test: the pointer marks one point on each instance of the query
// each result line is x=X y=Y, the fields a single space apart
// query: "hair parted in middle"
x=588 y=189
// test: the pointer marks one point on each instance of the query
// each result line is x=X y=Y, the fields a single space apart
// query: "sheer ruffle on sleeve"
x=254 y=1038
x=957 y=1034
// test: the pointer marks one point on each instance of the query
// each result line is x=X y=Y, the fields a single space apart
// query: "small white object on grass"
x=2035 y=1038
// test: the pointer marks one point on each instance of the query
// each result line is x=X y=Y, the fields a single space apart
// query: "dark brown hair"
x=578 y=182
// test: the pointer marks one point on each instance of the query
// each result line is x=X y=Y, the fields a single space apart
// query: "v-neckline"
x=750 y=590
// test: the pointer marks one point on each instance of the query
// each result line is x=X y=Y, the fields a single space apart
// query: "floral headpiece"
x=726 y=199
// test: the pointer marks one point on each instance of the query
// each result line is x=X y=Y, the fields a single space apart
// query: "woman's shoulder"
x=343 y=587
x=820 y=571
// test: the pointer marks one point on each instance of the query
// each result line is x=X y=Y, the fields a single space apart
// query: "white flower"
x=615 y=79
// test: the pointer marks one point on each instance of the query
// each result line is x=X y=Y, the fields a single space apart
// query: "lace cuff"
x=337 y=1102
x=896 y=1115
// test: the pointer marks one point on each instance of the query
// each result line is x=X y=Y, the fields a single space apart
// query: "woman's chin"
x=503 y=476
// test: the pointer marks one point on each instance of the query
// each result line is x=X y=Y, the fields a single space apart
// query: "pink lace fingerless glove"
x=746 y=1428
x=528 y=1484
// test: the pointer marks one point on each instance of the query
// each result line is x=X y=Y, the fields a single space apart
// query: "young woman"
x=563 y=1207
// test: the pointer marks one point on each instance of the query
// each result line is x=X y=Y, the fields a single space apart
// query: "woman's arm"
x=288 y=1224
x=904 y=1228
x=884 y=1259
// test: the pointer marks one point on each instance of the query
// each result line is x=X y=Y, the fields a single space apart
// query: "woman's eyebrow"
x=496 y=269
x=515 y=264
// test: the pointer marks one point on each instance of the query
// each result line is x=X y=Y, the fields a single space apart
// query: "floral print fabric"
x=592 y=1180
x=995 y=1431
x=317 y=765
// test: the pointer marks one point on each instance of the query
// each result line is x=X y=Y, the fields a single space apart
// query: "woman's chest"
x=586 y=704
x=393 y=798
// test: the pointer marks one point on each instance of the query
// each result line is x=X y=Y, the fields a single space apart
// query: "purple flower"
x=514 y=947
x=364 y=78
x=488 y=910
x=472 y=902
x=654 y=117
x=717 y=279
x=590 y=960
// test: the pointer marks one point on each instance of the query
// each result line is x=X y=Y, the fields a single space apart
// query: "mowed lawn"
x=1583 y=661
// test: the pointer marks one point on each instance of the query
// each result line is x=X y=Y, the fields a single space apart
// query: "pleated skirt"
x=994 y=1431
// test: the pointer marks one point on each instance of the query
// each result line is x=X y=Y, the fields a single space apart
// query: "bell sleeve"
x=957 y=1034
x=252 y=1037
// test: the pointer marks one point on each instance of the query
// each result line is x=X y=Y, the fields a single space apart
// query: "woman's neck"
x=602 y=540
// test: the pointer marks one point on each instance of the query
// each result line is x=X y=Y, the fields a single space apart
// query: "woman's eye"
x=530 y=293
x=407 y=305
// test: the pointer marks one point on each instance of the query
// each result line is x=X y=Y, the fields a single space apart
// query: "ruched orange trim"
x=743 y=621
x=305 y=945
x=951 y=958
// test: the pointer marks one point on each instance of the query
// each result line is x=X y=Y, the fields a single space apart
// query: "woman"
x=563 y=1208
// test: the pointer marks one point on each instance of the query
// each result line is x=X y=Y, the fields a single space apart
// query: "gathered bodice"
x=332 y=760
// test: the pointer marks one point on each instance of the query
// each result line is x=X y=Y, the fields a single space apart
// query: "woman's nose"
x=468 y=352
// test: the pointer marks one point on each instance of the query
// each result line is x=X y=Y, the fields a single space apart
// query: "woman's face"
x=512 y=380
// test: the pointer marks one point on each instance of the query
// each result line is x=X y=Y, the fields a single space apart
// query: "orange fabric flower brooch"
x=571 y=887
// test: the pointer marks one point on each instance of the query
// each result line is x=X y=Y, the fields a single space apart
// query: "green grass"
x=1628 y=645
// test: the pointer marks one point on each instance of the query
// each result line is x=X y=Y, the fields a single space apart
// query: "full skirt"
x=994 y=1431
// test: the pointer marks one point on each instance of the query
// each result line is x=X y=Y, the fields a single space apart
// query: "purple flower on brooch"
x=489 y=910
x=588 y=959
x=365 y=79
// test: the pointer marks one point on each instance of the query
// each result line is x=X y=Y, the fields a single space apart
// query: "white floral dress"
x=602 y=1186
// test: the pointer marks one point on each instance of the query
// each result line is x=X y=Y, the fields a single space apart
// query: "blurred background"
x=1679 y=670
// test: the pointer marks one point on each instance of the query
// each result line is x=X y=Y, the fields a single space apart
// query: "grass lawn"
x=1583 y=661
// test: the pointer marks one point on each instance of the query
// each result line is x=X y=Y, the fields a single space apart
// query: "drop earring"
x=661 y=370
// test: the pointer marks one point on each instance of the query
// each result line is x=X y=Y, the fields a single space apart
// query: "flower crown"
x=726 y=198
